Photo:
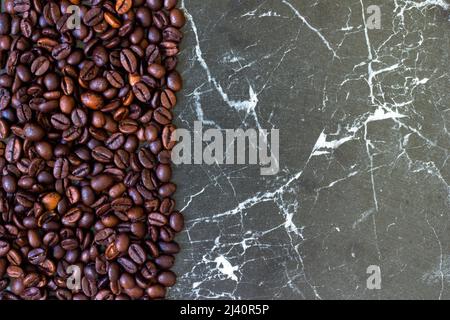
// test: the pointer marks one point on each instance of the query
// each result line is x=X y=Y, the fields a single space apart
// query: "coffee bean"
x=101 y=182
x=60 y=122
x=164 y=172
x=102 y=154
x=176 y=221
x=79 y=117
x=162 y=116
x=61 y=168
x=89 y=71
x=93 y=17
x=61 y=51
x=92 y=100
x=86 y=135
x=142 y=92
x=13 y=150
x=165 y=261
x=137 y=254
x=166 y=190
x=168 y=99
x=177 y=18
x=115 y=141
x=156 y=70
x=115 y=79
x=21 y=6
x=36 y=256
x=123 y=6
x=128 y=60
x=9 y=183
x=33 y=132
x=128 y=265
x=4 y=248
x=174 y=81
x=40 y=66
x=167 y=278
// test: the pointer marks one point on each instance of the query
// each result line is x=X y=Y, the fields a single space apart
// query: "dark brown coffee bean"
x=93 y=17
x=101 y=182
x=36 y=256
x=142 y=92
x=166 y=190
x=61 y=168
x=177 y=18
x=79 y=117
x=168 y=137
x=61 y=51
x=167 y=278
x=33 y=132
x=156 y=70
x=71 y=134
x=89 y=71
x=128 y=265
x=157 y=219
x=92 y=100
x=128 y=60
x=128 y=126
x=164 y=172
x=40 y=66
x=176 y=221
x=60 y=122
x=21 y=6
x=168 y=99
x=137 y=254
x=115 y=141
x=102 y=154
x=13 y=150
x=4 y=248
x=174 y=81
x=146 y=158
x=165 y=261
x=162 y=116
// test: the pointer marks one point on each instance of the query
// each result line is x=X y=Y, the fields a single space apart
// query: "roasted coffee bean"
x=93 y=17
x=115 y=79
x=60 y=122
x=101 y=182
x=79 y=117
x=13 y=150
x=40 y=66
x=92 y=100
x=142 y=92
x=102 y=154
x=128 y=265
x=128 y=60
x=137 y=253
x=168 y=99
x=4 y=248
x=86 y=136
x=36 y=256
x=61 y=168
x=33 y=132
x=61 y=51
x=115 y=141
x=162 y=116
x=123 y=6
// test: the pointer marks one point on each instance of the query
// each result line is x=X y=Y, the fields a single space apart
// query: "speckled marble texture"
x=364 y=149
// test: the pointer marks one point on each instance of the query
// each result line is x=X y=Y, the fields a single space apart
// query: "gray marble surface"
x=364 y=149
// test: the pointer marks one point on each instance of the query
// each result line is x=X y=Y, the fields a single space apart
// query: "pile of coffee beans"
x=87 y=92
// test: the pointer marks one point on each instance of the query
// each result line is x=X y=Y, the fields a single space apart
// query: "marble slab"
x=364 y=172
